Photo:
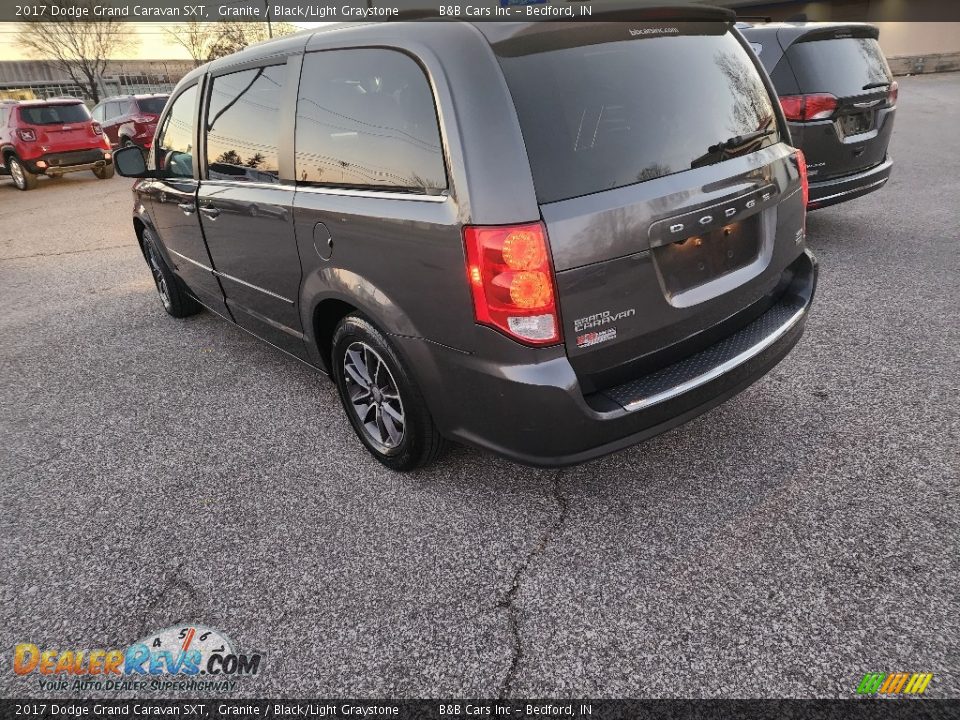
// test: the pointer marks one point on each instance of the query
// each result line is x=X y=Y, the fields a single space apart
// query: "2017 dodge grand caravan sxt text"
x=547 y=240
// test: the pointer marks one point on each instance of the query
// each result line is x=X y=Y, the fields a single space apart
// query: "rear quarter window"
x=614 y=104
x=366 y=119
x=843 y=67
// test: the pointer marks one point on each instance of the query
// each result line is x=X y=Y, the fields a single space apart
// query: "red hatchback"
x=130 y=119
x=51 y=137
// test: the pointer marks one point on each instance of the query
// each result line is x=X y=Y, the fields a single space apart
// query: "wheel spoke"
x=392 y=413
x=374 y=396
x=393 y=433
x=356 y=368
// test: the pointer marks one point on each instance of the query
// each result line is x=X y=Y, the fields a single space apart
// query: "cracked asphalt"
x=158 y=471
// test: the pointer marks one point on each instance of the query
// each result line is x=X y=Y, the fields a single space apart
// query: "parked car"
x=839 y=98
x=51 y=137
x=516 y=236
x=130 y=119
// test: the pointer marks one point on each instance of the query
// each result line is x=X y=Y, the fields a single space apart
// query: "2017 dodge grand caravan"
x=547 y=240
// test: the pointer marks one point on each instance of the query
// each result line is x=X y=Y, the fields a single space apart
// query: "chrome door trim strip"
x=190 y=260
x=375 y=194
x=231 y=277
x=252 y=286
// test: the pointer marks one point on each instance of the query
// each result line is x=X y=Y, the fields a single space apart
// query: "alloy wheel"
x=16 y=171
x=374 y=396
x=158 y=277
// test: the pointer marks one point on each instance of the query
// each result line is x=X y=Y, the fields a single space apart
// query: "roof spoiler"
x=835 y=31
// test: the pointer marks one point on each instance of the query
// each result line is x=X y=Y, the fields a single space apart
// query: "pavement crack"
x=66 y=252
x=176 y=600
x=508 y=601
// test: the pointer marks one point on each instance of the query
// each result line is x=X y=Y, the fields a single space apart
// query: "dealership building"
x=28 y=79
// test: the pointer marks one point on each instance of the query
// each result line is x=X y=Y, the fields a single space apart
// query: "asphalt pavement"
x=156 y=472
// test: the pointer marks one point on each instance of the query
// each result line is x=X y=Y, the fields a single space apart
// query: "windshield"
x=54 y=114
x=153 y=105
x=614 y=104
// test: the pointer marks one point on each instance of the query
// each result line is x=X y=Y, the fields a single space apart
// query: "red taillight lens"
x=893 y=93
x=27 y=134
x=802 y=108
x=801 y=161
x=511 y=280
x=97 y=129
x=792 y=107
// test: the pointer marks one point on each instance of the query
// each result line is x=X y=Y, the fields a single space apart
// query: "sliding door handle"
x=210 y=212
x=188 y=208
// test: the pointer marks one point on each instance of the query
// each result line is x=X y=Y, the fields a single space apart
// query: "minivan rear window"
x=609 y=105
x=843 y=67
x=54 y=114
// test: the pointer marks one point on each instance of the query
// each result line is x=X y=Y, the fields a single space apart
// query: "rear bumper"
x=67 y=162
x=838 y=190
x=536 y=413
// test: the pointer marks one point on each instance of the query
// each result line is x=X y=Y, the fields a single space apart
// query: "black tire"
x=174 y=298
x=105 y=173
x=419 y=442
x=22 y=178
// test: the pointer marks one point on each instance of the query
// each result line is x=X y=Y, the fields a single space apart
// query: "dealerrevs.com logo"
x=894 y=683
x=191 y=657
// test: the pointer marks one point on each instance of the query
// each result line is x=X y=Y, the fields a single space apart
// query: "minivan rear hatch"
x=658 y=163
x=844 y=61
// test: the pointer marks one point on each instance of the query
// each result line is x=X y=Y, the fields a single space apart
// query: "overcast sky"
x=154 y=43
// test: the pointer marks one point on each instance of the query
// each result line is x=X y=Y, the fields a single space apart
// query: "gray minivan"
x=547 y=240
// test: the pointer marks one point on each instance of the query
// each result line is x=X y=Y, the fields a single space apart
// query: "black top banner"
x=914 y=709
x=299 y=11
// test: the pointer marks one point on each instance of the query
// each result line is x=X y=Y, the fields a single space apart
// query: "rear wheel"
x=22 y=178
x=104 y=173
x=381 y=399
x=175 y=299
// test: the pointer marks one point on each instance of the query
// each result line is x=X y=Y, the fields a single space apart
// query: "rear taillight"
x=511 y=279
x=803 y=108
x=801 y=160
x=97 y=129
x=893 y=93
x=27 y=134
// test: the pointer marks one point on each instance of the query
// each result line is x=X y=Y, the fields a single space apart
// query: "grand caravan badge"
x=602 y=318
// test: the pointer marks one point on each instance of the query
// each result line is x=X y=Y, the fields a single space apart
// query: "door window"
x=366 y=118
x=175 y=139
x=98 y=113
x=243 y=125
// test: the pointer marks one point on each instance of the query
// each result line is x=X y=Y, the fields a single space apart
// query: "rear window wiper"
x=871 y=86
x=739 y=140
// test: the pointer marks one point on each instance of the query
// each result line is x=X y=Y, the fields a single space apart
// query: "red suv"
x=51 y=137
x=130 y=119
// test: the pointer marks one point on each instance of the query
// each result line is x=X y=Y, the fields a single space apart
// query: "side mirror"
x=130 y=162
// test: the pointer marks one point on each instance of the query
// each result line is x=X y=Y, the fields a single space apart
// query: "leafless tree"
x=197 y=38
x=209 y=41
x=80 y=49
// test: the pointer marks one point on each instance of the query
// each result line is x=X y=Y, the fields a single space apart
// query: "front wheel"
x=381 y=399
x=104 y=173
x=173 y=296
x=22 y=178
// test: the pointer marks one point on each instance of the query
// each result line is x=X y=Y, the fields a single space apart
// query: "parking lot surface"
x=156 y=472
